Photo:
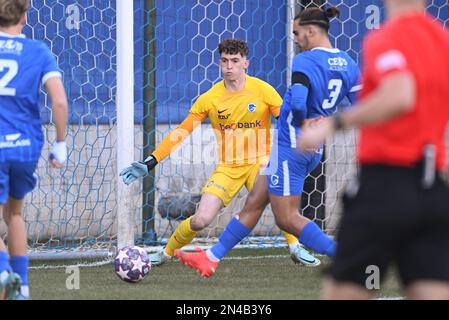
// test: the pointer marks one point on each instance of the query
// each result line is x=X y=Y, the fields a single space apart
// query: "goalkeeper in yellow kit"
x=239 y=108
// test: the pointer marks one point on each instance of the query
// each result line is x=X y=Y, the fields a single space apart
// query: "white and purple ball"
x=132 y=264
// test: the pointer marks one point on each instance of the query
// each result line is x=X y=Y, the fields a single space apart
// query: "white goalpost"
x=125 y=119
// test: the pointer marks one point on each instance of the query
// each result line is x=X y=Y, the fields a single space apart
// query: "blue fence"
x=187 y=35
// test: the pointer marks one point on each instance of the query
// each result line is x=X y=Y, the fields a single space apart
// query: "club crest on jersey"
x=251 y=107
x=274 y=180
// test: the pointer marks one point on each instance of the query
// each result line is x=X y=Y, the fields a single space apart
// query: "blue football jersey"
x=25 y=64
x=333 y=76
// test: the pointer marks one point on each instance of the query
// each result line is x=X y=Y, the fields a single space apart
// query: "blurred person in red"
x=397 y=211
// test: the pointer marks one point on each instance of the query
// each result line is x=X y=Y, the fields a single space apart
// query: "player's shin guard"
x=182 y=236
x=314 y=238
x=234 y=233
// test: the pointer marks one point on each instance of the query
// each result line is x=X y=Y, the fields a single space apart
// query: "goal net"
x=175 y=56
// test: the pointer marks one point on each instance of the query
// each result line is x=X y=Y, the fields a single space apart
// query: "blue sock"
x=19 y=265
x=314 y=238
x=232 y=234
x=4 y=261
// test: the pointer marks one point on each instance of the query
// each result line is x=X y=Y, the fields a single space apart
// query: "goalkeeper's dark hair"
x=233 y=46
x=317 y=16
x=11 y=11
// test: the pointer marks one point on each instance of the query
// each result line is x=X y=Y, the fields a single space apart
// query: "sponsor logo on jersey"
x=251 y=107
x=224 y=117
x=11 y=46
x=241 y=125
x=14 y=143
x=338 y=64
x=12 y=137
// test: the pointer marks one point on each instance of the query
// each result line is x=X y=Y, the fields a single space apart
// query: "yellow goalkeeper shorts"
x=225 y=182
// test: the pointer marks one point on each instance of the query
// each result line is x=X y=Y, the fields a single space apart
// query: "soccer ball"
x=132 y=264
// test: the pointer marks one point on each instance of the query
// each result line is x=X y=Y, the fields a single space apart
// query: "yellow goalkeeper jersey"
x=241 y=121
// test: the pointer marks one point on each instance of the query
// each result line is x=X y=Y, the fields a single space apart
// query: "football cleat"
x=158 y=258
x=10 y=287
x=198 y=261
x=304 y=257
x=20 y=296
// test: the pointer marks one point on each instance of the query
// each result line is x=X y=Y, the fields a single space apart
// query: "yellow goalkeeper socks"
x=291 y=239
x=183 y=235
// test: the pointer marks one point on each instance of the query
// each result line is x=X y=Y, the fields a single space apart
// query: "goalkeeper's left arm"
x=139 y=169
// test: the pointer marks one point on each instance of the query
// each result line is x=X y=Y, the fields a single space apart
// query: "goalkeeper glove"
x=138 y=169
x=58 y=152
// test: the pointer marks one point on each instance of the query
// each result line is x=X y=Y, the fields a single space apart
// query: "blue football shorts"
x=288 y=169
x=17 y=179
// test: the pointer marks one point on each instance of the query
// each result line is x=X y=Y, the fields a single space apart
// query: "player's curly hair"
x=233 y=46
x=317 y=16
x=11 y=11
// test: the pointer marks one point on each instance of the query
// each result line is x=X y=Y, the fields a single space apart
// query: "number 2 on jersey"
x=335 y=88
x=12 y=69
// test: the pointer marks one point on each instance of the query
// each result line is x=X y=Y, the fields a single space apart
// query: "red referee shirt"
x=417 y=44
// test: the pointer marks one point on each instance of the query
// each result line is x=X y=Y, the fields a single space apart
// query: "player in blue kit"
x=322 y=77
x=25 y=65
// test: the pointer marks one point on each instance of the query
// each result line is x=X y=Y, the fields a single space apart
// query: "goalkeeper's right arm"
x=139 y=169
x=58 y=97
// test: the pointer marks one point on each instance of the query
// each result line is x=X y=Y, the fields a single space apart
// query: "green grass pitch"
x=247 y=274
